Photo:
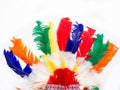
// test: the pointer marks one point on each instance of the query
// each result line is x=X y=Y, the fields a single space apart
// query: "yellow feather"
x=63 y=63
x=53 y=43
x=51 y=66
x=75 y=69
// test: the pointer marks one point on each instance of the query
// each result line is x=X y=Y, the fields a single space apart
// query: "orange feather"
x=20 y=50
x=112 y=49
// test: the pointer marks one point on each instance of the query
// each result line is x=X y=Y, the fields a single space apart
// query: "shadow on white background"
x=17 y=18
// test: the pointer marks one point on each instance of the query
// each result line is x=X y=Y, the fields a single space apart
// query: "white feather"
x=87 y=77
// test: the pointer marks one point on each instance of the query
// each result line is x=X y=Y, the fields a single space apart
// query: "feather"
x=18 y=88
x=53 y=43
x=41 y=33
x=75 y=69
x=14 y=64
x=112 y=49
x=20 y=50
x=64 y=77
x=63 y=63
x=74 y=40
x=95 y=88
x=49 y=63
x=51 y=66
x=63 y=33
x=86 y=77
x=86 y=43
x=98 y=49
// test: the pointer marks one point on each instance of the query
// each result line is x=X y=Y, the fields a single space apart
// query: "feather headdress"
x=71 y=61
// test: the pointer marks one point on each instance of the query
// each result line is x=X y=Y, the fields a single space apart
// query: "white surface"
x=17 y=18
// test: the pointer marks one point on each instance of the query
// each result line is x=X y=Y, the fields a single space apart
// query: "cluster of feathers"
x=71 y=56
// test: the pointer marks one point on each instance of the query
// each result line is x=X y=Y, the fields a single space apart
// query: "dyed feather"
x=20 y=50
x=64 y=77
x=112 y=49
x=14 y=64
x=74 y=40
x=86 y=43
x=63 y=33
x=98 y=50
x=53 y=43
x=75 y=69
x=52 y=67
x=49 y=63
x=63 y=64
x=41 y=33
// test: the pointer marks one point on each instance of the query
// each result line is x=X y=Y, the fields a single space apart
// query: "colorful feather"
x=87 y=40
x=64 y=77
x=62 y=70
x=63 y=63
x=112 y=49
x=74 y=40
x=75 y=69
x=52 y=67
x=20 y=50
x=53 y=43
x=41 y=33
x=49 y=63
x=98 y=50
x=14 y=64
x=63 y=33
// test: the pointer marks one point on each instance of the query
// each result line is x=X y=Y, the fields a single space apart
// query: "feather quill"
x=14 y=64
x=20 y=50
x=74 y=40
x=98 y=50
x=112 y=49
x=87 y=40
x=63 y=33
x=41 y=33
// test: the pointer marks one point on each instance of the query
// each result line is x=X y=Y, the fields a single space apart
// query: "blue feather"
x=74 y=40
x=14 y=64
x=27 y=70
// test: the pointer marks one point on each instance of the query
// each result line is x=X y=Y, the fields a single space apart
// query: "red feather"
x=86 y=43
x=63 y=33
x=64 y=77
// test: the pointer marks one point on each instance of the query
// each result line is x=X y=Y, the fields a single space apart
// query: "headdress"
x=72 y=58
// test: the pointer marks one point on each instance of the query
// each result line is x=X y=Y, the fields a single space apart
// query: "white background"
x=17 y=18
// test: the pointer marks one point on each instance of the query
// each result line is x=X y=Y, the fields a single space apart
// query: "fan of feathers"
x=73 y=57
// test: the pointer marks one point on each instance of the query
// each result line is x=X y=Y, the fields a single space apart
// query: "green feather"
x=42 y=37
x=98 y=49
x=94 y=88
